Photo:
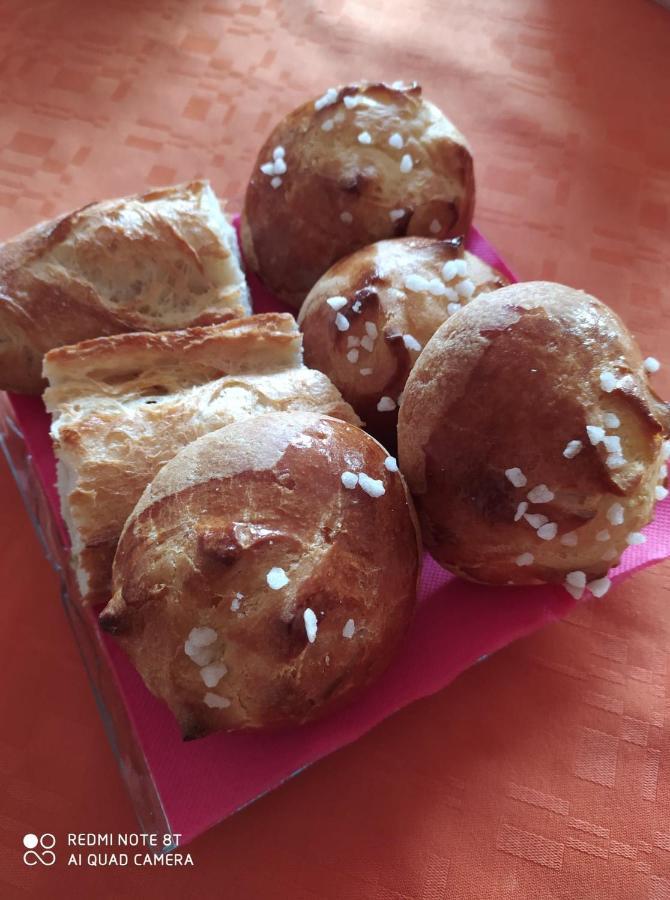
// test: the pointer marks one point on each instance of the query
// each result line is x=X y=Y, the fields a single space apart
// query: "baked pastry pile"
x=253 y=549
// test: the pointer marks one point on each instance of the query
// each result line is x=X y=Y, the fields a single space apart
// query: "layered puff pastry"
x=122 y=406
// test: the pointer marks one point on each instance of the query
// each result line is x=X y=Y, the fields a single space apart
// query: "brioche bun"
x=362 y=163
x=397 y=293
x=531 y=439
x=254 y=586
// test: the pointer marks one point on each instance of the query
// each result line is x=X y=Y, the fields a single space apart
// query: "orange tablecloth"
x=544 y=771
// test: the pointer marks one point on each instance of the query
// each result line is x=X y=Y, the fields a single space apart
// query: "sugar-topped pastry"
x=361 y=163
x=267 y=574
x=367 y=319
x=532 y=441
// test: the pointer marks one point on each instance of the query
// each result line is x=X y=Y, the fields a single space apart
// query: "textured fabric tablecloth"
x=542 y=772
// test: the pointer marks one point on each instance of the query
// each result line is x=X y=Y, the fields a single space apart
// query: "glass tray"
x=184 y=788
x=129 y=755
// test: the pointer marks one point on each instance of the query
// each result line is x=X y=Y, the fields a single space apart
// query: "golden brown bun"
x=508 y=383
x=399 y=287
x=257 y=496
x=160 y=260
x=337 y=194
x=122 y=406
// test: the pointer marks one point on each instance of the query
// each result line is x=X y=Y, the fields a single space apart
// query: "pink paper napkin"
x=457 y=623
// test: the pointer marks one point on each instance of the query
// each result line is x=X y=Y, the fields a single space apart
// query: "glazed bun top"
x=530 y=437
x=258 y=585
x=366 y=320
x=362 y=163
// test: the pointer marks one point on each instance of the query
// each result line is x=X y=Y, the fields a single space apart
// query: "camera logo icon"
x=39 y=849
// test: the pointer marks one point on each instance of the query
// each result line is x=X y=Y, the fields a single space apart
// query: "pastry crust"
x=507 y=384
x=343 y=185
x=164 y=259
x=398 y=293
x=122 y=406
x=298 y=588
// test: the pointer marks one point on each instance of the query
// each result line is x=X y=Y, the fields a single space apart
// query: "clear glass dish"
x=120 y=733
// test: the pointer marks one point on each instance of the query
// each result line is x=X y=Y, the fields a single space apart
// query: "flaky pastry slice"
x=164 y=259
x=122 y=406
